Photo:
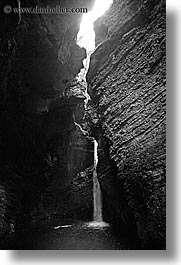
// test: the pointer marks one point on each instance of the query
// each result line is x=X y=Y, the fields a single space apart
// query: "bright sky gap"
x=86 y=35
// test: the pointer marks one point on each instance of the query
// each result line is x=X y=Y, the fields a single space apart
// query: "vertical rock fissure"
x=86 y=39
x=97 y=196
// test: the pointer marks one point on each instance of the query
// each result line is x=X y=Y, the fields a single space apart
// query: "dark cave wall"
x=127 y=79
x=40 y=98
x=73 y=200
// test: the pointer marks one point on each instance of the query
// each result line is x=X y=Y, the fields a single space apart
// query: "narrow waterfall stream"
x=97 y=196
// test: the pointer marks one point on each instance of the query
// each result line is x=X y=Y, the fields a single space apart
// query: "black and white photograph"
x=83 y=125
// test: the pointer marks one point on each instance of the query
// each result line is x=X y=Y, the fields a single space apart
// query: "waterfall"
x=86 y=39
x=97 y=196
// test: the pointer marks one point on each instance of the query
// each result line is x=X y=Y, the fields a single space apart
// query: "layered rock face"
x=127 y=80
x=40 y=100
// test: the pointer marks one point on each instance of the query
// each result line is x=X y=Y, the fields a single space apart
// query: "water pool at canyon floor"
x=70 y=235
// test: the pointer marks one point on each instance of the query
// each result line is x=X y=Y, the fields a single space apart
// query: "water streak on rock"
x=97 y=196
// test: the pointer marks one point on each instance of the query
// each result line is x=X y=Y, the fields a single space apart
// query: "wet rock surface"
x=127 y=112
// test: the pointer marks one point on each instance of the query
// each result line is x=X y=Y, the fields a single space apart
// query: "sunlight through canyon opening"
x=86 y=34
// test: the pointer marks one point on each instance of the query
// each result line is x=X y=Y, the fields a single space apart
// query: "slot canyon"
x=56 y=112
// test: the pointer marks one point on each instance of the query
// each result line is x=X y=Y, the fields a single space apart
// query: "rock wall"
x=73 y=201
x=127 y=79
x=40 y=100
